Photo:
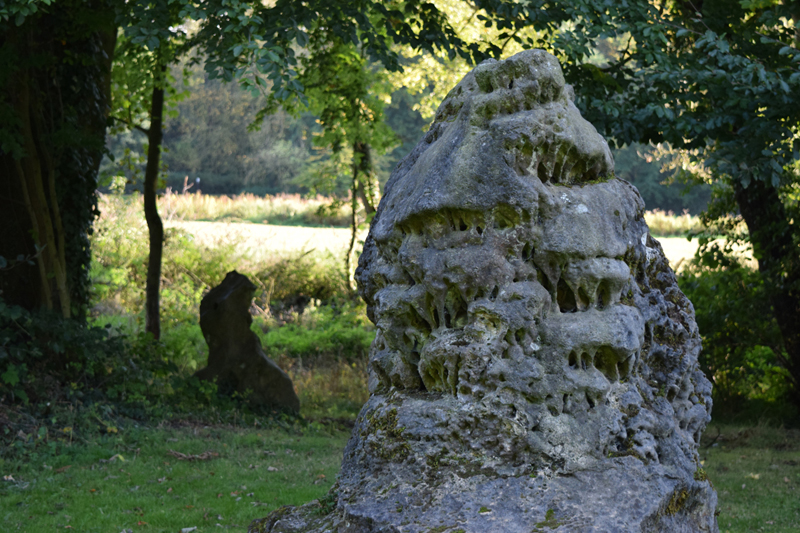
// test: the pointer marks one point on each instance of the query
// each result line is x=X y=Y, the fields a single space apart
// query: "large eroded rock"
x=235 y=357
x=535 y=367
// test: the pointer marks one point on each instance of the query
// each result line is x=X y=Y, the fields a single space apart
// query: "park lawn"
x=756 y=472
x=133 y=483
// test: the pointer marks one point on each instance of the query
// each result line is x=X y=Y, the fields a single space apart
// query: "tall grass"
x=281 y=209
x=307 y=317
x=668 y=224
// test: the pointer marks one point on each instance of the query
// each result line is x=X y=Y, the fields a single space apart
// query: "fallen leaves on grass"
x=189 y=457
x=62 y=469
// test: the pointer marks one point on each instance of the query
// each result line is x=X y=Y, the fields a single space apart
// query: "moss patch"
x=677 y=502
x=549 y=521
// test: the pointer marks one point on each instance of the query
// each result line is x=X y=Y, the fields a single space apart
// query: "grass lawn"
x=134 y=483
x=756 y=472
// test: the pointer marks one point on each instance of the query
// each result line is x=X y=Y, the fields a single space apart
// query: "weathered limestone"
x=535 y=367
x=235 y=357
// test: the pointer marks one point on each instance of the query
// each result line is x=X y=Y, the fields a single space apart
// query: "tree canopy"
x=718 y=80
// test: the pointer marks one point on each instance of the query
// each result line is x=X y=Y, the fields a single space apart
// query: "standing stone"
x=535 y=366
x=235 y=357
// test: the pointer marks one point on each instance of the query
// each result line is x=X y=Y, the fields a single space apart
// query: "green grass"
x=756 y=472
x=147 y=489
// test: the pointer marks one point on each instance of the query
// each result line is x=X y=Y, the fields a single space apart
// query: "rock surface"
x=535 y=367
x=235 y=357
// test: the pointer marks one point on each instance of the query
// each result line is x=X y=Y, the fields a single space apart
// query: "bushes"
x=326 y=333
x=46 y=358
x=308 y=319
x=742 y=346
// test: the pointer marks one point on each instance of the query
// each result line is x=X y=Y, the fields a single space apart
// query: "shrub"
x=742 y=345
x=320 y=334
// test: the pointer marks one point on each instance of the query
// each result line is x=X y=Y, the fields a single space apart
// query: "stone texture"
x=535 y=367
x=235 y=357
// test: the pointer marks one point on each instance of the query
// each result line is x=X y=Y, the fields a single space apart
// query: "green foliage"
x=742 y=347
x=719 y=83
x=288 y=284
x=328 y=332
x=636 y=164
x=45 y=359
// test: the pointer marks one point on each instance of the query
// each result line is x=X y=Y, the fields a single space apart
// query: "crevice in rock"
x=565 y=297
x=605 y=360
x=527 y=252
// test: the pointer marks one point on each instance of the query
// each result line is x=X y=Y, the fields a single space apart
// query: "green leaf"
x=11 y=376
x=237 y=50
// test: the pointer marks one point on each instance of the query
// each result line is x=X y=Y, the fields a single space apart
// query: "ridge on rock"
x=535 y=363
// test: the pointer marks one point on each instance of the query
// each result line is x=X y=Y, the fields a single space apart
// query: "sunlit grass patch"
x=668 y=224
x=288 y=209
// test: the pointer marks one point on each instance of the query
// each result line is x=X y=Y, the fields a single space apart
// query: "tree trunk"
x=47 y=197
x=154 y=225
x=775 y=248
x=348 y=261
x=365 y=182
x=364 y=188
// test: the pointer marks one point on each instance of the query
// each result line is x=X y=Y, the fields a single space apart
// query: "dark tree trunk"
x=54 y=92
x=776 y=247
x=154 y=225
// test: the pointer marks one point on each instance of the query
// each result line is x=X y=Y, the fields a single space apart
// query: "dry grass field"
x=261 y=241
x=265 y=240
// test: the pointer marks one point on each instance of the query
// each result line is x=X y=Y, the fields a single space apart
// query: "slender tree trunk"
x=154 y=225
x=366 y=187
x=348 y=262
x=775 y=246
